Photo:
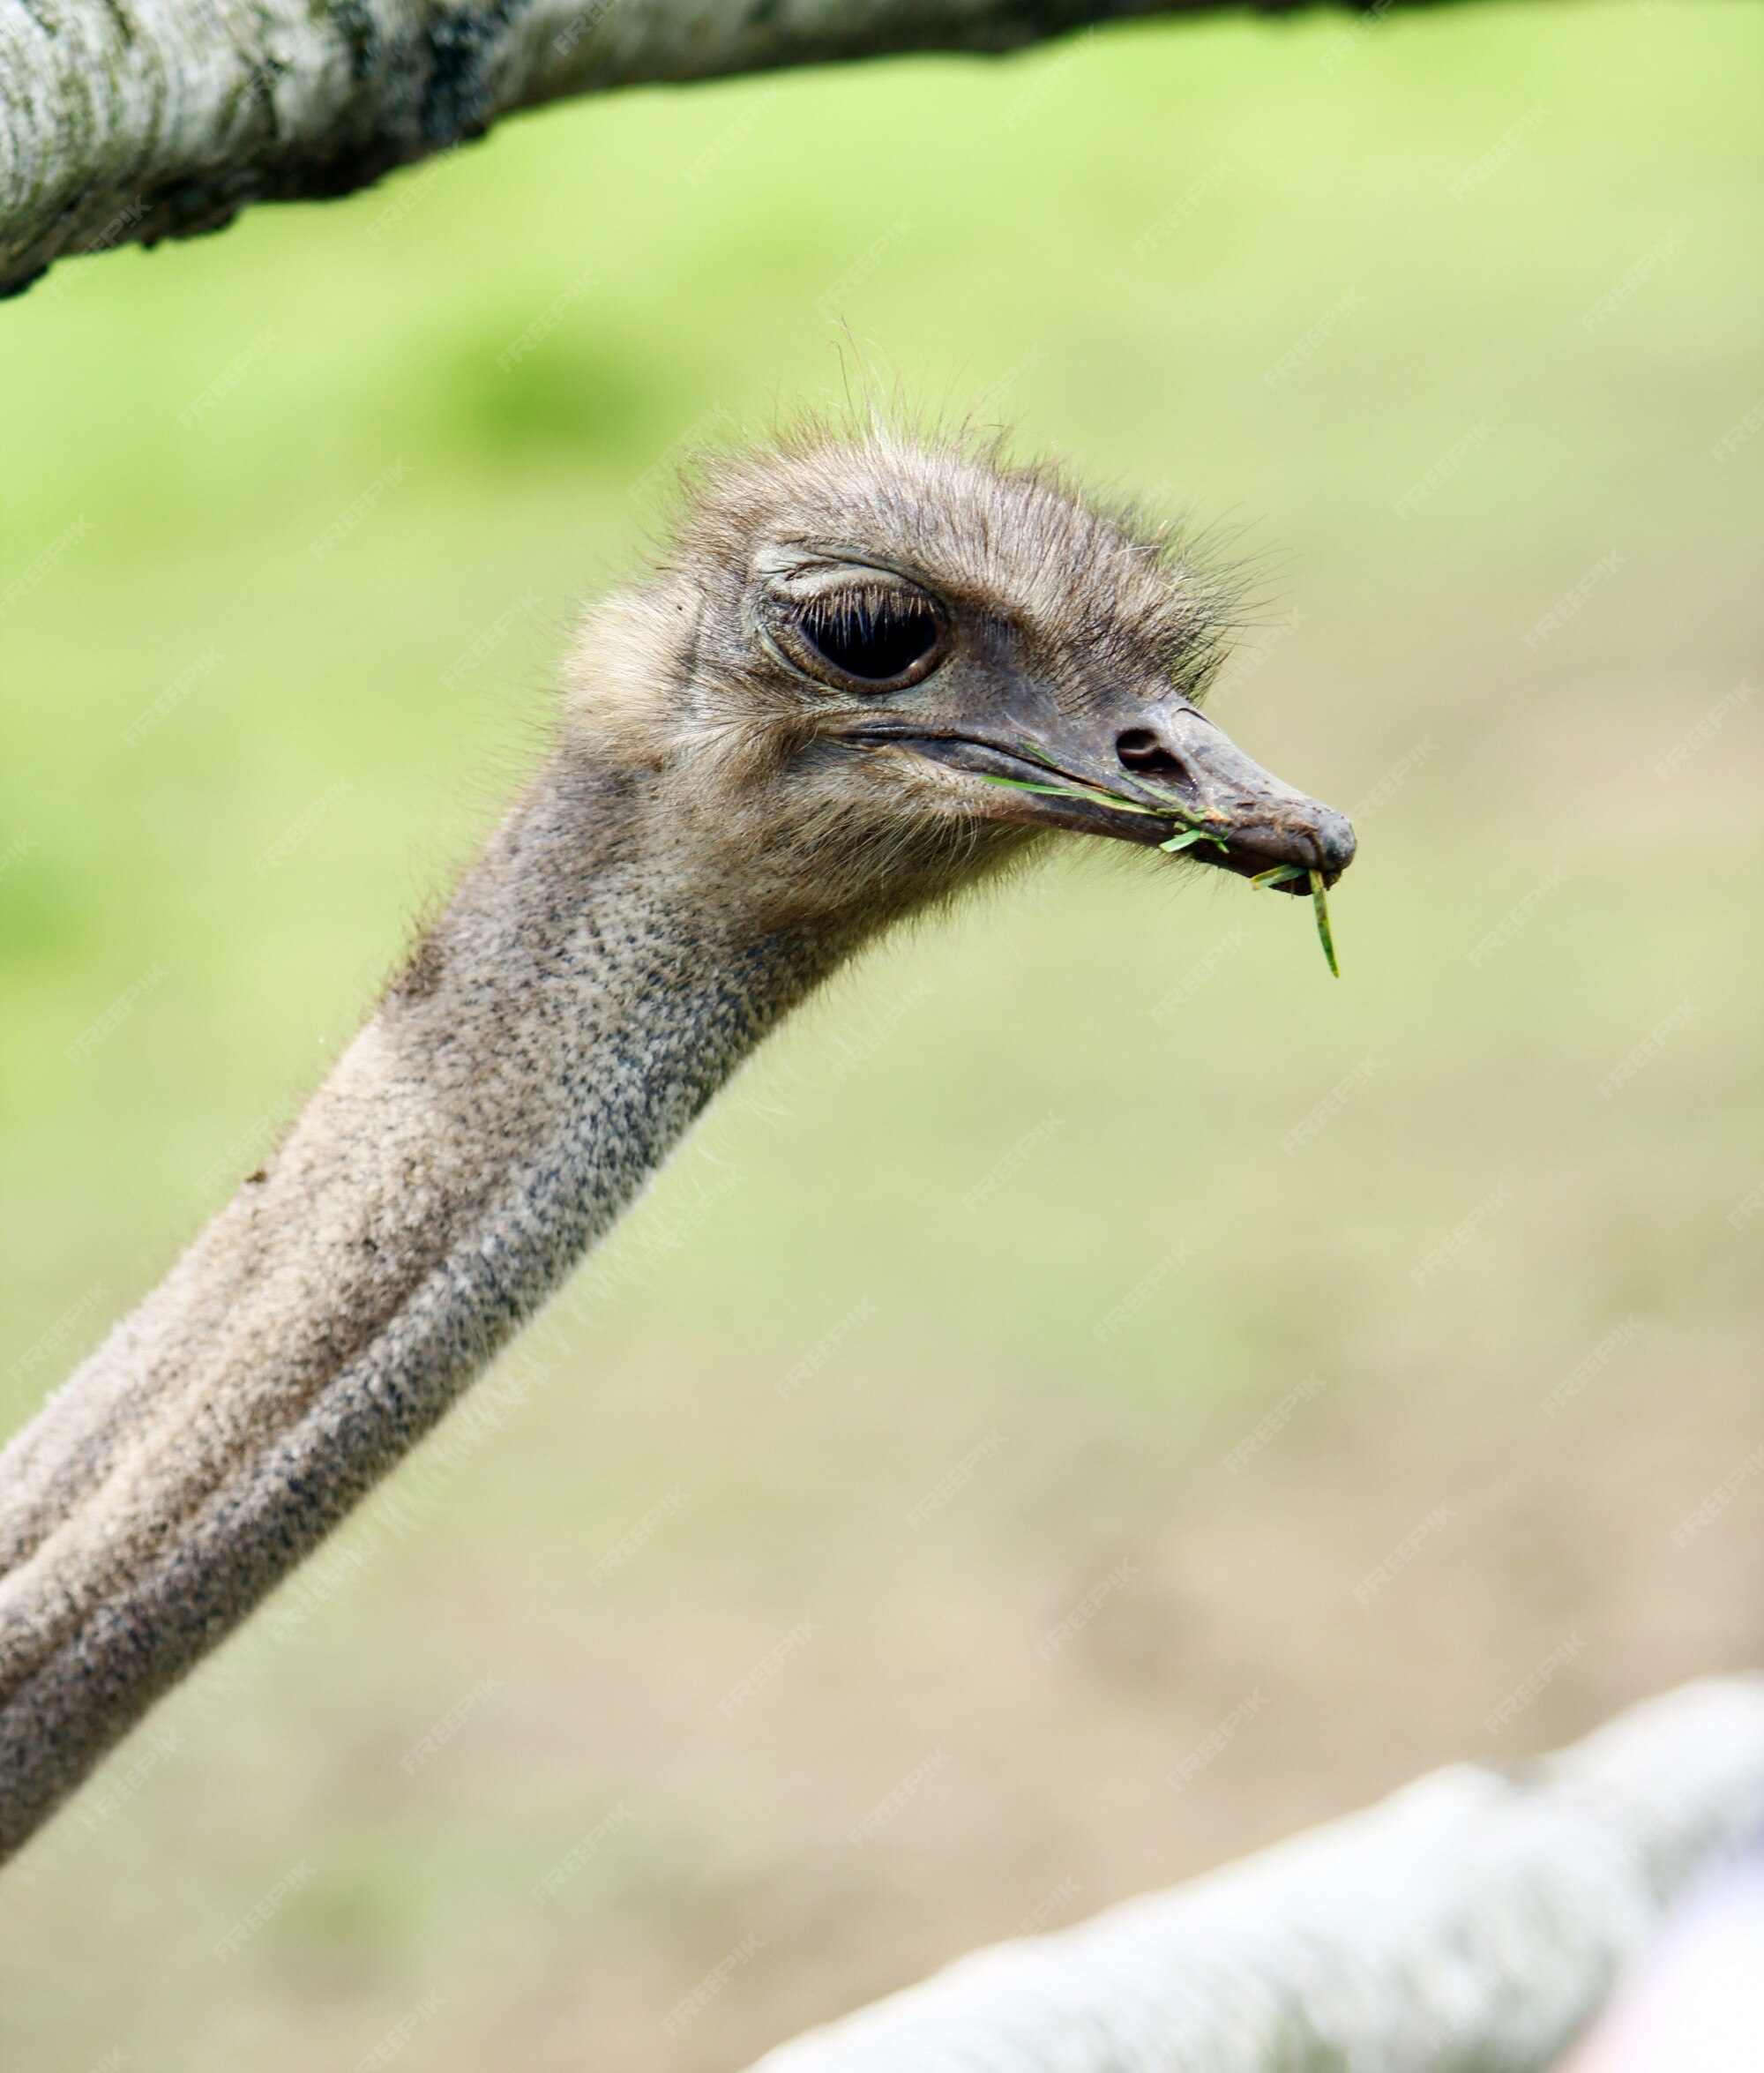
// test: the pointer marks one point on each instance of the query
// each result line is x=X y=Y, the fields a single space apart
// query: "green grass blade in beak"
x=1021 y=785
x=1319 y=901
x=1283 y=874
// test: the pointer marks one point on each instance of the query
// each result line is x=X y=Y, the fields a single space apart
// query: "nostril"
x=1141 y=751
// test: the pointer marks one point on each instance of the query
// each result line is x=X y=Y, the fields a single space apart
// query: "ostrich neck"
x=587 y=991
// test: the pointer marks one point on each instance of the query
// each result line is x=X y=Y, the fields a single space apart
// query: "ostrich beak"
x=1150 y=775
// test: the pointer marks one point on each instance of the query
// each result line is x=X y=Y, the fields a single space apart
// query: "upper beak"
x=1145 y=775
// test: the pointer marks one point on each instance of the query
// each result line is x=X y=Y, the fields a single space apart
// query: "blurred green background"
x=299 y=555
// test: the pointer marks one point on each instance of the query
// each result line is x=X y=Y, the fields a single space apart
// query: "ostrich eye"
x=873 y=634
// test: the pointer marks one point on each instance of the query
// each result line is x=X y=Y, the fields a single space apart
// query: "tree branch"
x=128 y=121
x=1472 y=1924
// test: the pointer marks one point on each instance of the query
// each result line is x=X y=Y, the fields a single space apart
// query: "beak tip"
x=1336 y=843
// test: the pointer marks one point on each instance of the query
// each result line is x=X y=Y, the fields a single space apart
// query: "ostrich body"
x=772 y=750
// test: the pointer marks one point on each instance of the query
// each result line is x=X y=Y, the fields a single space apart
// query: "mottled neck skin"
x=596 y=978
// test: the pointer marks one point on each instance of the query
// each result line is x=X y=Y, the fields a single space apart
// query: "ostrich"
x=873 y=670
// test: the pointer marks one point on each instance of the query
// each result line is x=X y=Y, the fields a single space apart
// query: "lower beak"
x=1168 y=777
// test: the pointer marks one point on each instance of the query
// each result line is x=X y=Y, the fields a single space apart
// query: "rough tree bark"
x=127 y=121
x=1473 y=1924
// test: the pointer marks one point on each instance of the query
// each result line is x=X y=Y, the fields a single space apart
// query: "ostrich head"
x=872 y=671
